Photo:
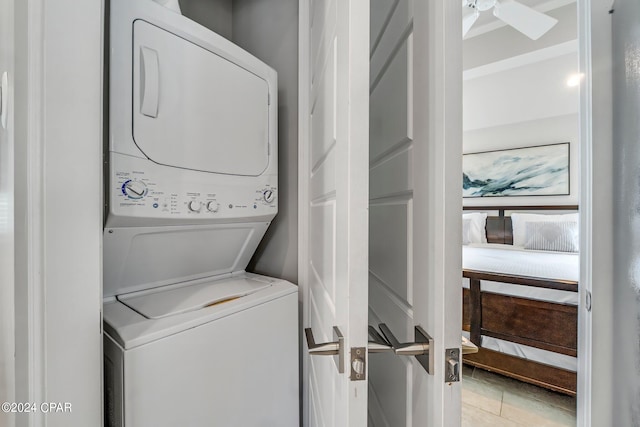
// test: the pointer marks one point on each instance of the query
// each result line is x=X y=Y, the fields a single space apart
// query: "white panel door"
x=412 y=231
x=415 y=205
x=391 y=219
x=334 y=108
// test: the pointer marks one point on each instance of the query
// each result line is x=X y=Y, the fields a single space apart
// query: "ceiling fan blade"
x=468 y=21
x=530 y=22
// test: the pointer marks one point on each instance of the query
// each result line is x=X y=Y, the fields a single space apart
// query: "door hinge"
x=452 y=365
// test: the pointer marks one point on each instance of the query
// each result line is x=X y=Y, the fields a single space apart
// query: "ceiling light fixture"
x=528 y=21
x=574 y=79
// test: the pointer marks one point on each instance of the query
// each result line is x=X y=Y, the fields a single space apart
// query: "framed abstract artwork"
x=530 y=171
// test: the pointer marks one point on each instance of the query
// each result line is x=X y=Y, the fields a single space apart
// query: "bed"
x=520 y=305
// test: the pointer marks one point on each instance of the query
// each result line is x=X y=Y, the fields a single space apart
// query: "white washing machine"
x=190 y=339
x=171 y=362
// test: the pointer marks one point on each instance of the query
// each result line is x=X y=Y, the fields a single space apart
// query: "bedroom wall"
x=515 y=95
x=525 y=134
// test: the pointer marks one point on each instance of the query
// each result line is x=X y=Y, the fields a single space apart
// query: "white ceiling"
x=487 y=22
x=521 y=89
x=511 y=79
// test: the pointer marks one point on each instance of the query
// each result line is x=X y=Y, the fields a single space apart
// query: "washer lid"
x=176 y=300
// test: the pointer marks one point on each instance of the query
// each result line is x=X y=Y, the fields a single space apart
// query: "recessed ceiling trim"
x=522 y=60
x=543 y=7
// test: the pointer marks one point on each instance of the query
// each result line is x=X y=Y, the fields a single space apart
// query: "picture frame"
x=541 y=170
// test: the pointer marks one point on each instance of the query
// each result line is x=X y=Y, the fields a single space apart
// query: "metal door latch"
x=452 y=365
x=358 y=364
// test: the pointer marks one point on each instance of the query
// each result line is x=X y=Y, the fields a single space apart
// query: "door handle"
x=149 y=81
x=334 y=348
x=378 y=344
x=421 y=348
x=468 y=347
x=404 y=349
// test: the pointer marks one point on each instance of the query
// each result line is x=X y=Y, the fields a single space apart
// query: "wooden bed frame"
x=540 y=324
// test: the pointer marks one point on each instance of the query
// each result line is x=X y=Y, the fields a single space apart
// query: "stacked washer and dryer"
x=190 y=338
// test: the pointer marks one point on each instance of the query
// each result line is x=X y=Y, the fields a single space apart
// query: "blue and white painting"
x=531 y=171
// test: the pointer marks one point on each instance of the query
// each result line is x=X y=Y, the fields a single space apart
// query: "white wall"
x=269 y=30
x=73 y=208
x=213 y=14
x=58 y=209
x=515 y=95
x=526 y=134
x=626 y=178
x=520 y=93
x=597 y=385
x=7 y=326
x=27 y=384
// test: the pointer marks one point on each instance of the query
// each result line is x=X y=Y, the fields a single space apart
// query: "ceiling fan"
x=529 y=22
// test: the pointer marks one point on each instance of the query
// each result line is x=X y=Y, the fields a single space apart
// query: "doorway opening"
x=521 y=174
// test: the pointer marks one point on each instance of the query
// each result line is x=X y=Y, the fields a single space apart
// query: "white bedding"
x=513 y=260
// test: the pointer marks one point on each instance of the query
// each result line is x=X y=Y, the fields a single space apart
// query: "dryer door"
x=194 y=109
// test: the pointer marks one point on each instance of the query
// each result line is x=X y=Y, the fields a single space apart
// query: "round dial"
x=134 y=189
x=212 y=206
x=195 y=206
x=268 y=196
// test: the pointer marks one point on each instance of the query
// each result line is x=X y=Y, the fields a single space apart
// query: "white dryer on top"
x=192 y=167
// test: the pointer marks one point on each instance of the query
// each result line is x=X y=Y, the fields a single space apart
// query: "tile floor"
x=494 y=400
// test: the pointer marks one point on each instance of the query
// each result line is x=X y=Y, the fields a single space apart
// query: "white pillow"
x=560 y=236
x=519 y=220
x=477 y=232
x=466 y=227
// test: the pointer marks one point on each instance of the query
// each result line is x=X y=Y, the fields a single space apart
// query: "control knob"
x=268 y=196
x=213 y=206
x=134 y=189
x=195 y=206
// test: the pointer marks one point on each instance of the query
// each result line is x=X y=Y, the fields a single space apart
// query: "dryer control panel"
x=141 y=189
